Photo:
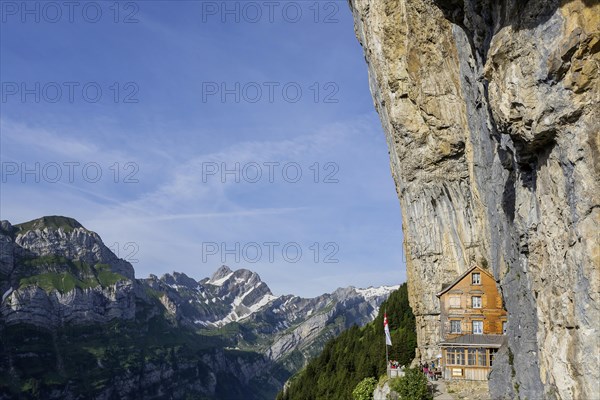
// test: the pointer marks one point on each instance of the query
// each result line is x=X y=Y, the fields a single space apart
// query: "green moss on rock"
x=52 y=222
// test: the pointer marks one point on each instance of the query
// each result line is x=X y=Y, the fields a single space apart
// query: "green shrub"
x=364 y=389
x=412 y=386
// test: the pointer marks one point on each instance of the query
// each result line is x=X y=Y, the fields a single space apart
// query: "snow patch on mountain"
x=262 y=302
x=371 y=291
x=221 y=281
x=240 y=312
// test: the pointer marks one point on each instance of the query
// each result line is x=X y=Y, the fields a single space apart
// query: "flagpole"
x=386 y=355
x=387 y=362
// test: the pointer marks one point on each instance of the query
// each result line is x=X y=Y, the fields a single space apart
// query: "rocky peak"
x=54 y=222
x=344 y=293
x=228 y=282
x=179 y=279
x=54 y=271
x=65 y=237
x=247 y=277
x=6 y=248
x=6 y=228
x=223 y=272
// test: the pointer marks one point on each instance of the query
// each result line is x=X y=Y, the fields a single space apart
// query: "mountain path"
x=439 y=391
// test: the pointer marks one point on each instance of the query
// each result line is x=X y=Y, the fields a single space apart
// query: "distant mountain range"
x=75 y=321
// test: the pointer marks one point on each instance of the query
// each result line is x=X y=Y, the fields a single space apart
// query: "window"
x=504 y=327
x=476 y=356
x=455 y=302
x=477 y=327
x=450 y=359
x=476 y=301
x=455 y=326
x=481 y=357
x=460 y=356
x=472 y=356
x=476 y=278
x=456 y=356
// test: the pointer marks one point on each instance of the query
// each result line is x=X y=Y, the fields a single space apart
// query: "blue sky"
x=124 y=126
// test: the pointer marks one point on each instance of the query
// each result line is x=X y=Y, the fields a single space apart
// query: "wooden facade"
x=473 y=322
x=474 y=364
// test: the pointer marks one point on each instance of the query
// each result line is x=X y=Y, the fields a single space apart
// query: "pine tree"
x=356 y=354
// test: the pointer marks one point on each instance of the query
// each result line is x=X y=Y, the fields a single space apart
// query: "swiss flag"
x=386 y=328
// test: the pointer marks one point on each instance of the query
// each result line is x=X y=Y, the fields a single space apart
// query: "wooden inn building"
x=473 y=323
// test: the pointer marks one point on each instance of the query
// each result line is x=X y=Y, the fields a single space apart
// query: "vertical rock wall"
x=492 y=117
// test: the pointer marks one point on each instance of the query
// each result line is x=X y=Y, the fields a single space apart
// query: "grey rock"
x=285 y=324
x=490 y=113
x=271 y=329
x=23 y=303
x=384 y=392
x=76 y=244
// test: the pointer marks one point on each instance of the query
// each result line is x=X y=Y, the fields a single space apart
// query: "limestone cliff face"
x=491 y=112
x=53 y=271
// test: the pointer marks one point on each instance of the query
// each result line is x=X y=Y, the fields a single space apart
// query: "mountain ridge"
x=58 y=277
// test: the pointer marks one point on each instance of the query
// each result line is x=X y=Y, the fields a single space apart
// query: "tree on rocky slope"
x=356 y=354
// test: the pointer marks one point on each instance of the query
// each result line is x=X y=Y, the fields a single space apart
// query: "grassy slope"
x=52 y=222
x=58 y=273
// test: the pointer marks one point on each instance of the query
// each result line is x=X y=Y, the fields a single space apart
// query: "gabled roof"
x=445 y=288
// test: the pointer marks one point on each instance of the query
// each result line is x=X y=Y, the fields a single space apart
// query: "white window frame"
x=478 y=323
x=504 y=327
x=478 y=278
x=476 y=304
x=459 y=326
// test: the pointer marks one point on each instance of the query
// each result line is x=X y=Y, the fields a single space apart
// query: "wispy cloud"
x=170 y=210
x=228 y=214
x=18 y=137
